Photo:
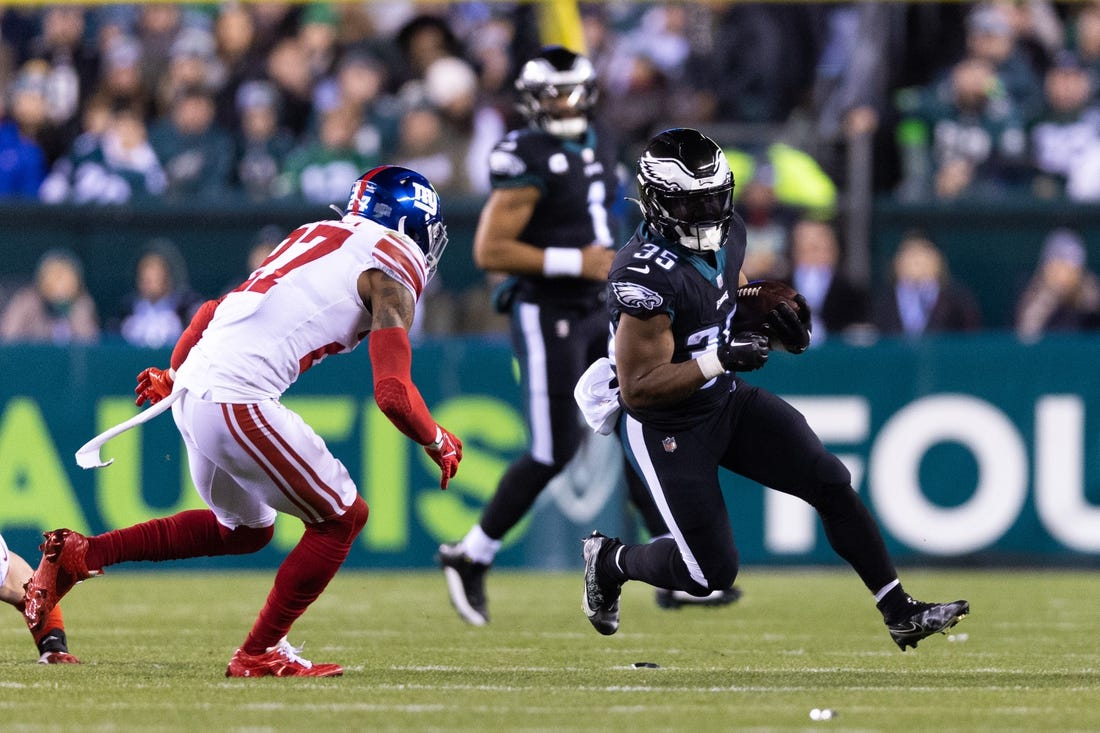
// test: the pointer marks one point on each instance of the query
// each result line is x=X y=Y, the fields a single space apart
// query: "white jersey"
x=301 y=305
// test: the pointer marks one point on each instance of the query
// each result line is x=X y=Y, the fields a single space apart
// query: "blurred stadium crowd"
x=117 y=104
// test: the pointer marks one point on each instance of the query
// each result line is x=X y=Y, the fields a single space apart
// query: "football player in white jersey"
x=326 y=287
x=50 y=636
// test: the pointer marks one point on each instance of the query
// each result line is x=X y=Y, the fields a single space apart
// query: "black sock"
x=516 y=493
x=655 y=563
x=606 y=562
x=895 y=605
x=53 y=641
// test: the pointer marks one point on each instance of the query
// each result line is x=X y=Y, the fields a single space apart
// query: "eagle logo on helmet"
x=665 y=172
x=672 y=174
x=632 y=295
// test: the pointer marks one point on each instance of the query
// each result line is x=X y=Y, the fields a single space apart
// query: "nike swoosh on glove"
x=446 y=451
x=744 y=353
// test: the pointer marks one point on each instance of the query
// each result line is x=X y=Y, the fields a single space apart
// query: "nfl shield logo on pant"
x=669 y=443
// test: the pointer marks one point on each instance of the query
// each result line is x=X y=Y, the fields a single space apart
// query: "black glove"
x=744 y=352
x=790 y=328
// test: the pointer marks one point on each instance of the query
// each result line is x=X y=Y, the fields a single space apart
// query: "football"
x=755 y=300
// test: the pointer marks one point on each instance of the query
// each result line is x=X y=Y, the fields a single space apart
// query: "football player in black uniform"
x=547 y=225
x=686 y=412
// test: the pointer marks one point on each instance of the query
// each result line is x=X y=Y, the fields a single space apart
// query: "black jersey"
x=579 y=183
x=698 y=291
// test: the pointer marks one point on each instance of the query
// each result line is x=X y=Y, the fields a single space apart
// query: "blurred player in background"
x=326 y=287
x=687 y=413
x=547 y=224
x=50 y=636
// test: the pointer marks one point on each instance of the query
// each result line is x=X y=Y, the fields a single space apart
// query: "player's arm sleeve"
x=193 y=332
x=394 y=392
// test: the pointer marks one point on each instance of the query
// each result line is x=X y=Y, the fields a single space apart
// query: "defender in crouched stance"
x=329 y=285
x=673 y=292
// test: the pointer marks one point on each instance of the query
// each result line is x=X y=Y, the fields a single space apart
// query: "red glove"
x=446 y=451
x=153 y=385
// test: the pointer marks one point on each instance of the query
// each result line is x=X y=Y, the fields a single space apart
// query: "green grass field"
x=155 y=648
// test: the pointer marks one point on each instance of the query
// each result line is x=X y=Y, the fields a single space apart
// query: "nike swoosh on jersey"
x=643 y=270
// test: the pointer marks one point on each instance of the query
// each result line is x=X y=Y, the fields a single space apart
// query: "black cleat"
x=926 y=619
x=465 y=584
x=674 y=599
x=601 y=597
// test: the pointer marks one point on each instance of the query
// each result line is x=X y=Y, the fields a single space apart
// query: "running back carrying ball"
x=775 y=309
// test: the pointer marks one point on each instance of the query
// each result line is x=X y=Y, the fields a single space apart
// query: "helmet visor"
x=698 y=207
x=565 y=99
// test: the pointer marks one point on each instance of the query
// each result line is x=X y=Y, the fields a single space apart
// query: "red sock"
x=193 y=533
x=304 y=574
x=54 y=621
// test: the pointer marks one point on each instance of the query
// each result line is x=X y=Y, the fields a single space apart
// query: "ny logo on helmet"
x=425 y=199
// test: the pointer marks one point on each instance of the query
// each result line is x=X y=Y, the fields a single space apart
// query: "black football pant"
x=757 y=435
x=553 y=345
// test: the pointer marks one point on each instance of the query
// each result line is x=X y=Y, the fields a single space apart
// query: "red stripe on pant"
x=288 y=450
x=233 y=415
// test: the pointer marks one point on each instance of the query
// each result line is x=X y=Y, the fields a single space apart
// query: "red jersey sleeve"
x=193 y=332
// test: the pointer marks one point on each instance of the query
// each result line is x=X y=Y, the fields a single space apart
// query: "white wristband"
x=438 y=439
x=710 y=365
x=562 y=262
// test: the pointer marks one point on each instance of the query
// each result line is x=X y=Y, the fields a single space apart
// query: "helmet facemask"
x=698 y=220
x=432 y=239
x=561 y=109
x=557 y=92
